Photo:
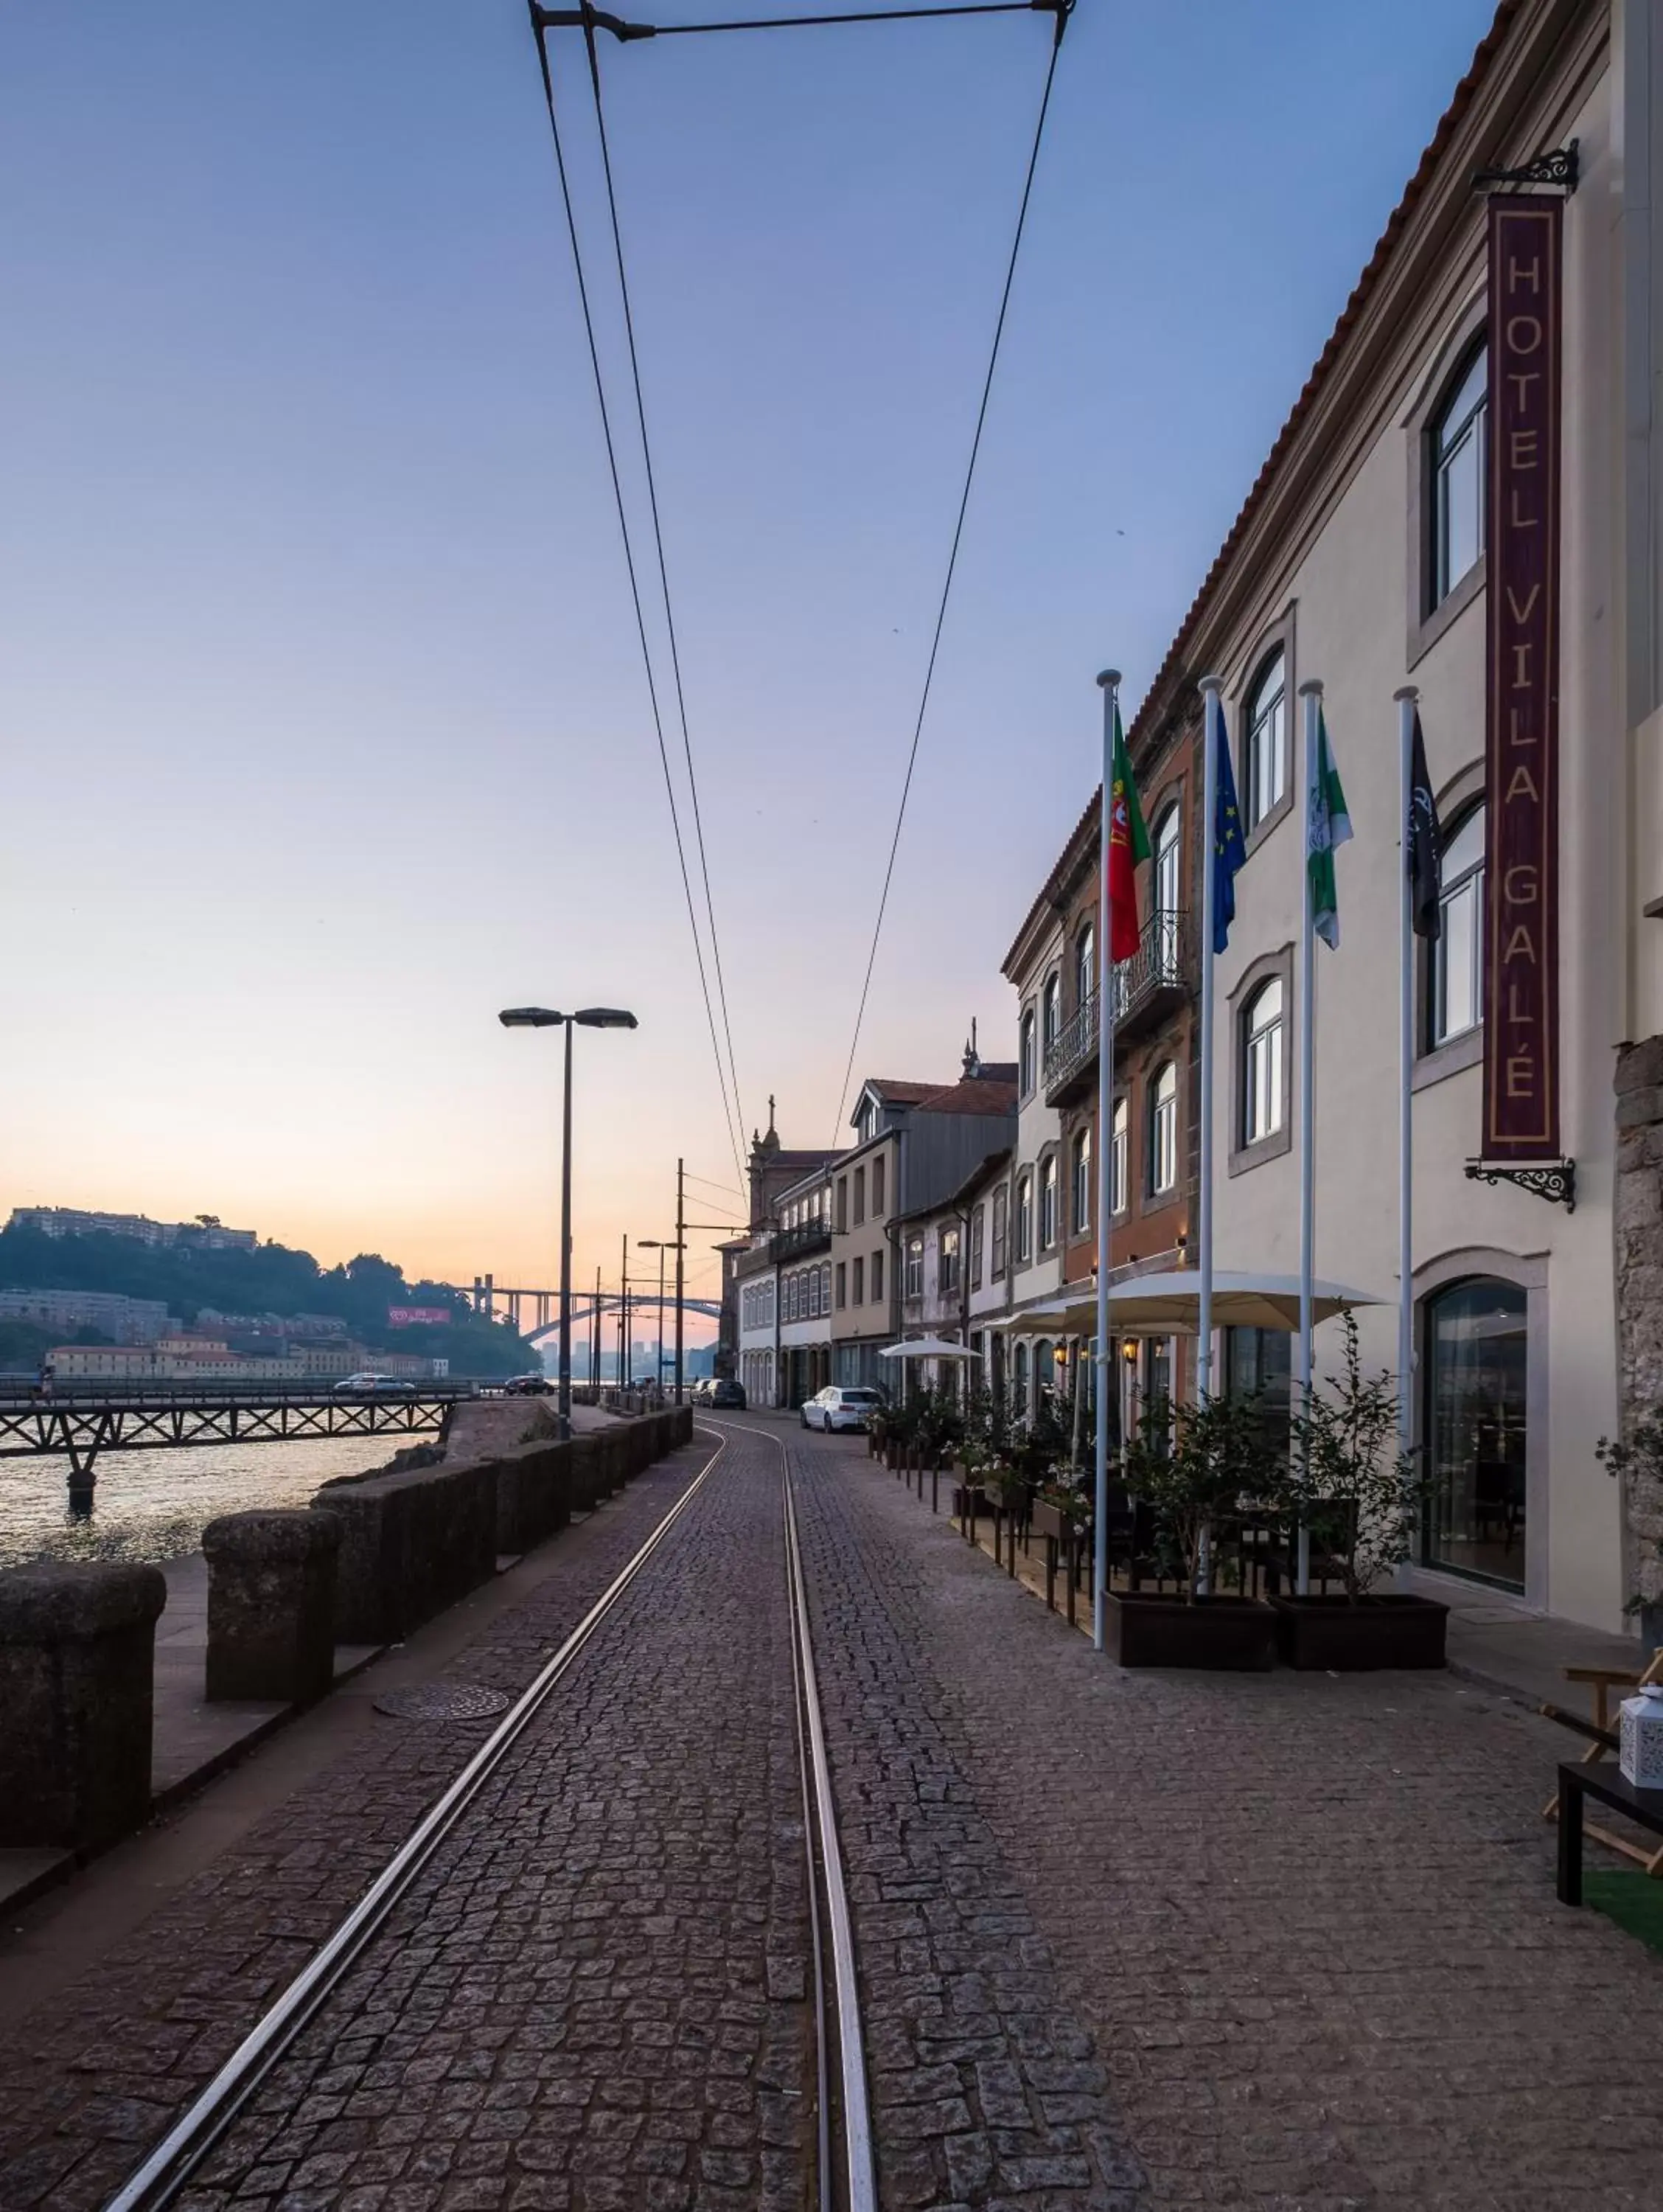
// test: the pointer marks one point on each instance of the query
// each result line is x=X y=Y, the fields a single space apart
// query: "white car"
x=837 y=1408
x=369 y=1384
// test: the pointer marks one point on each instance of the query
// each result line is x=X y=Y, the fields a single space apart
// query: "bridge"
x=491 y=1298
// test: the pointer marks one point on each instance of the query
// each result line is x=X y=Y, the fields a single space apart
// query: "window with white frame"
x=1165 y=883
x=1085 y=964
x=1264 y=1045
x=825 y=1287
x=1047 y=1201
x=1119 y=1158
x=1052 y=1004
x=1455 y=999
x=1001 y=1219
x=1024 y=1219
x=978 y=1232
x=947 y=1263
x=914 y=1277
x=1025 y=1055
x=1458 y=457
x=1082 y=1181
x=1164 y=1130
x=1267 y=722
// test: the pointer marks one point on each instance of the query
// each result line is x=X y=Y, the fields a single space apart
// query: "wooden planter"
x=1395 y=1630
x=1050 y=1520
x=1233 y=1633
x=969 y=1498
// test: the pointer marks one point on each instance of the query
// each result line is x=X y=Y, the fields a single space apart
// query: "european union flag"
x=1228 y=848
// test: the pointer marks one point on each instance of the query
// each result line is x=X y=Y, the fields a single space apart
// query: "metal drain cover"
x=442 y=1701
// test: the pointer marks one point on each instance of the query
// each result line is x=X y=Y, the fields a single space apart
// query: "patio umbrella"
x=926 y=1347
x=1168 y=1304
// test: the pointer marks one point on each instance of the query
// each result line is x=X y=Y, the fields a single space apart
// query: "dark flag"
x=1423 y=843
x=1230 y=848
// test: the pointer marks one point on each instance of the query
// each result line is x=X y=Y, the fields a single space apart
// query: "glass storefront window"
x=1475 y=1431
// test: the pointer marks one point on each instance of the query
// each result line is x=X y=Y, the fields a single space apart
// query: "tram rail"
x=846 y=2174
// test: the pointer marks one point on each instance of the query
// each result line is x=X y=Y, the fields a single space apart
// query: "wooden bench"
x=1607 y=1784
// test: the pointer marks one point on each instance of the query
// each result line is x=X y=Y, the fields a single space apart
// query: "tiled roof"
x=903 y=1094
x=975 y=1095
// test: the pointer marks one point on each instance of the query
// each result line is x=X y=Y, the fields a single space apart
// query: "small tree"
x=1196 y=1466
x=1347 y=1480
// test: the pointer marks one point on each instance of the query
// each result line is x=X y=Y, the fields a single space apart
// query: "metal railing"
x=796 y=1243
x=1164 y=961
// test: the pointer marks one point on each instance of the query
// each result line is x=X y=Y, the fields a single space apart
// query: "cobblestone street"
x=1125 y=1941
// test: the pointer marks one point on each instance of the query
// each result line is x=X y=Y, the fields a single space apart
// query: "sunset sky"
x=325 y=728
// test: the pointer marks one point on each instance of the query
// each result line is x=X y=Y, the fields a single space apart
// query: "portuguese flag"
x=1128 y=843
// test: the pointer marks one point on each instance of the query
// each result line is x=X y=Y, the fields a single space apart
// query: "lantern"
x=1640 y=1756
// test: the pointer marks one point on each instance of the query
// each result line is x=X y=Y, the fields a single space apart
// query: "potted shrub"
x=1063 y=1505
x=1193 y=1466
x=1358 y=1495
x=1636 y=1462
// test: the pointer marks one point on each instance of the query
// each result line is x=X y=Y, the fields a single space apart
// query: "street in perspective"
x=1079 y=1626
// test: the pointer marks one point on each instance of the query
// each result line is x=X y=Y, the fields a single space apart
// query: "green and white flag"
x=1327 y=825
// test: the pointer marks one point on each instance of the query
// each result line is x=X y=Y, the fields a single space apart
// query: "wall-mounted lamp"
x=1129 y=1352
x=1182 y=1242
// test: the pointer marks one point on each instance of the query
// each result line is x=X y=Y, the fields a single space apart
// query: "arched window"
x=1051 y=1005
x=1026 y=1054
x=1019 y=1381
x=1266 y=721
x=1085 y=964
x=1455 y=999
x=1120 y=1157
x=1045 y=1368
x=1475 y=1396
x=1082 y=1181
x=1024 y=1219
x=1048 y=1202
x=1164 y=1130
x=1165 y=886
x=1264 y=1045
x=1460 y=464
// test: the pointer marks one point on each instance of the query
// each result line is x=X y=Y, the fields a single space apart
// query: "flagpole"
x=1407 y=699
x=1211 y=713
x=1311 y=693
x=1110 y=681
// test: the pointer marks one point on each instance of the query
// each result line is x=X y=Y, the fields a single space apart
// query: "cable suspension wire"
x=635 y=587
x=952 y=563
x=664 y=572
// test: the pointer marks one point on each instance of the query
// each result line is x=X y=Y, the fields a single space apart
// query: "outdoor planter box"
x=1237 y=1634
x=1395 y=1630
x=1051 y=1521
x=968 y=1498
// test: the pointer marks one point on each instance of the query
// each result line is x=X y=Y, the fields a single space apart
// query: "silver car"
x=836 y=1408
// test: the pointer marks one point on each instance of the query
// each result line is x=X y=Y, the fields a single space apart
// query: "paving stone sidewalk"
x=1308 y=1922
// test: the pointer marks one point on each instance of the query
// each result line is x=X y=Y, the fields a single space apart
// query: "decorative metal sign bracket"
x=1553 y=1180
x=1559 y=168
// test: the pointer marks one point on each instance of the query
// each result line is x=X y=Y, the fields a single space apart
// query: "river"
x=155 y=1504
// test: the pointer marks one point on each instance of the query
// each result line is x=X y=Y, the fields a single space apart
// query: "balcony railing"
x=1160 y=971
x=798 y=1243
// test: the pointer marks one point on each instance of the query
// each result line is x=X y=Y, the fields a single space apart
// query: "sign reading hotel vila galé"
x=1521 y=935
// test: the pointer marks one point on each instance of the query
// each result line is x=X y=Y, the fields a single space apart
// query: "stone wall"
x=1640 y=1292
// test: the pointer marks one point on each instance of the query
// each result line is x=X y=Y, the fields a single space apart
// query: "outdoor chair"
x=1603 y=1681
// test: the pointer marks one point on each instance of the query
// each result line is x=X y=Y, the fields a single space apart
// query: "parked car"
x=725 y=1391
x=835 y=1408
x=529 y=1386
x=368 y=1384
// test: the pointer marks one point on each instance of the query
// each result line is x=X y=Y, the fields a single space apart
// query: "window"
x=825 y=1287
x=859 y=1282
x=1082 y=1179
x=1263 y=1048
x=1085 y=964
x=914 y=1288
x=877 y=1278
x=1045 y=1369
x=1019 y=1382
x=1460 y=464
x=1001 y=1216
x=1475 y=1407
x=1052 y=1007
x=1163 y=1131
x=1120 y=1157
x=1267 y=738
x=947 y=1263
x=842 y=1202
x=1455 y=998
x=1024 y=1219
x=843 y=1285
x=814 y=1293
x=859 y=1196
x=878 y=1166
x=977 y=1231
x=1047 y=1201
x=1025 y=1056
x=1165 y=882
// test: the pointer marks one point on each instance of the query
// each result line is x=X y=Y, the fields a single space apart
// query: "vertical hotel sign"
x=1521 y=936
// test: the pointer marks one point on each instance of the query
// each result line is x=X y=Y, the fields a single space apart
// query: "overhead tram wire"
x=663 y=571
x=558 y=18
x=1063 y=11
x=634 y=586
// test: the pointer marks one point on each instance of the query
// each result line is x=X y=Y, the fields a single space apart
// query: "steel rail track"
x=169 y=2167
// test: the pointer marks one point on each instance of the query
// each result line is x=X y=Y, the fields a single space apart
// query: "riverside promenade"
x=1123 y=1940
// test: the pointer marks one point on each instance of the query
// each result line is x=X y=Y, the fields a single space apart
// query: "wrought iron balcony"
x=1147 y=988
x=797 y=1244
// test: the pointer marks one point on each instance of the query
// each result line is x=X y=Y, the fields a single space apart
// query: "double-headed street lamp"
x=590 y=1017
x=661 y=1245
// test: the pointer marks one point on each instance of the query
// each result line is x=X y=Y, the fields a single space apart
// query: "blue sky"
x=325 y=724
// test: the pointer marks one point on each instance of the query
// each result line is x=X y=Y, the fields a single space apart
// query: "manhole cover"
x=442 y=1701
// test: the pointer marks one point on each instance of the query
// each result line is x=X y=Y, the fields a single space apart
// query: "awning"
x=926 y=1347
x=1169 y=1304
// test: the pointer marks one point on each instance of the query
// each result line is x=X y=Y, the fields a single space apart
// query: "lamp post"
x=660 y=1245
x=588 y=1017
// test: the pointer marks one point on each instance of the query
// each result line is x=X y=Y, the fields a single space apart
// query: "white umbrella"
x=927 y=1347
x=1170 y=1304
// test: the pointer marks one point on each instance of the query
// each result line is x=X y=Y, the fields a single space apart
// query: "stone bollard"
x=77 y=1653
x=272 y=1605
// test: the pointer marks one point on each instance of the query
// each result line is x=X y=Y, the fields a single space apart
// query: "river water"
x=155 y=1504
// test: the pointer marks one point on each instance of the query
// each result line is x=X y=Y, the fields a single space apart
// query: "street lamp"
x=660 y=1245
x=544 y=1018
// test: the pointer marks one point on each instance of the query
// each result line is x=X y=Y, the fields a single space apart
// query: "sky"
x=324 y=719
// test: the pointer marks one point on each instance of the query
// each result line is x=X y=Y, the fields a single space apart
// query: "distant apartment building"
x=188 y=1356
x=207 y=1235
x=124 y=1320
x=782 y=1182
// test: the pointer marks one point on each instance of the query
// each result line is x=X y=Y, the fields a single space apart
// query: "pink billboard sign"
x=417 y=1316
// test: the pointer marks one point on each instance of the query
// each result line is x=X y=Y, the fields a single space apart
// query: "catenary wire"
x=634 y=586
x=952 y=563
x=663 y=571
